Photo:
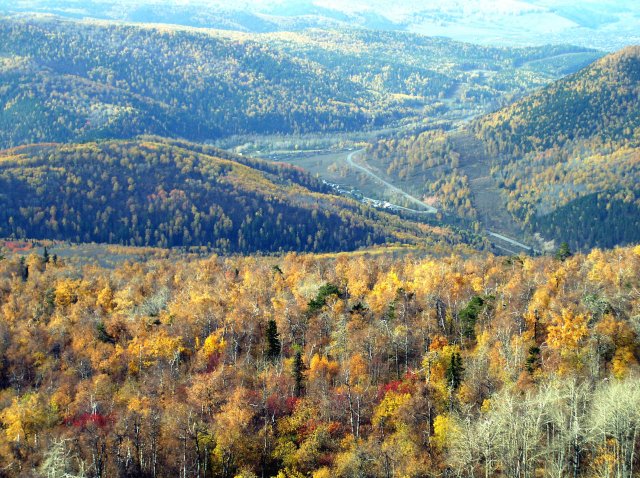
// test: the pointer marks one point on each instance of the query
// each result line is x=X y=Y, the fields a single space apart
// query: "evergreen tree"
x=454 y=371
x=103 y=335
x=298 y=372
x=324 y=293
x=24 y=270
x=563 y=252
x=45 y=255
x=469 y=315
x=273 y=340
x=533 y=359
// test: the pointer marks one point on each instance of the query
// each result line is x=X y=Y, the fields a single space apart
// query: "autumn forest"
x=314 y=243
x=339 y=365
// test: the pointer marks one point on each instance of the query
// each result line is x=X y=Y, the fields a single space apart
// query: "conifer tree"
x=454 y=371
x=563 y=252
x=298 y=372
x=273 y=340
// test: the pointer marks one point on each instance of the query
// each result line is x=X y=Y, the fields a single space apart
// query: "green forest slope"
x=156 y=193
x=69 y=81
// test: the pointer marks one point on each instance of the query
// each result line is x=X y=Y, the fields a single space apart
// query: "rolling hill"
x=152 y=192
x=66 y=81
x=603 y=24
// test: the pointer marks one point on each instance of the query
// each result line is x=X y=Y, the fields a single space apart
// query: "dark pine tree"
x=454 y=371
x=298 y=373
x=273 y=340
x=24 y=270
x=564 y=252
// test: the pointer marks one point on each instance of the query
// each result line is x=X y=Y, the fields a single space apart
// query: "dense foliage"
x=168 y=194
x=415 y=155
x=77 y=81
x=570 y=154
x=598 y=103
x=349 y=365
x=565 y=158
x=599 y=219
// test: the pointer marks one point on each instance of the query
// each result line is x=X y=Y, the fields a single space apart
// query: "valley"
x=345 y=172
x=319 y=239
x=435 y=85
x=174 y=194
x=427 y=120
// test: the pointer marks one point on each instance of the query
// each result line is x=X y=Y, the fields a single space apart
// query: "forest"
x=172 y=310
x=162 y=193
x=66 y=81
x=428 y=164
x=598 y=103
x=563 y=158
x=347 y=365
x=570 y=154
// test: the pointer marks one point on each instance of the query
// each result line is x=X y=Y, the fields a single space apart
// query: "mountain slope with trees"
x=570 y=154
x=172 y=194
x=564 y=159
x=599 y=104
x=66 y=81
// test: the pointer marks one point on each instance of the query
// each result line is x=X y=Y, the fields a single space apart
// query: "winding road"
x=509 y=240
x=426 y=209
x=414 y=200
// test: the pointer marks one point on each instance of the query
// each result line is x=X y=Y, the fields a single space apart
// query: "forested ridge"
x=68 y=81
x=154 y=192
x=565 y=157
x=570 y=167
x=309 y=366
x=599 y=103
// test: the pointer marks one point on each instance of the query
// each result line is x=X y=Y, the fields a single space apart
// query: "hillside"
x=599 y=104
x=306 y=366
x=563 y=161
x=153 y=193
x=66 y=81
x=570 y=154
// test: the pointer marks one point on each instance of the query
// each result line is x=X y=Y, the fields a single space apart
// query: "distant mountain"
x=77 y=81
x=172 y=194
x=604 y=24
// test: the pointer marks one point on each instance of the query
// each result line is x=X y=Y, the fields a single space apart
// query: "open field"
x=102 y=255
x=335 y=168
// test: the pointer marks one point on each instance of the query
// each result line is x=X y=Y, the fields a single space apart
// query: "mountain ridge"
x=560 y=160
x=576 y=106
x=160 y=193
x=569 y=154
x=69 y=81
